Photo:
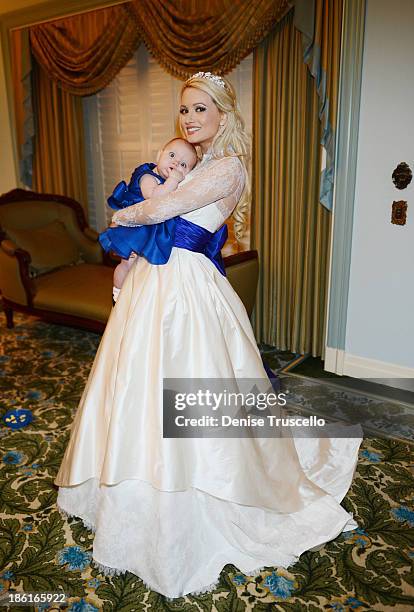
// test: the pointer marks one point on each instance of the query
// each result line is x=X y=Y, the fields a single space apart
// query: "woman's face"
x=199 y=117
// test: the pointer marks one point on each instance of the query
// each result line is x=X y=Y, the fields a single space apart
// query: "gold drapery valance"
x=188 y=35
x=85 y=52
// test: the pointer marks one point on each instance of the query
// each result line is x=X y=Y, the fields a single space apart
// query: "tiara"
x=211 y=77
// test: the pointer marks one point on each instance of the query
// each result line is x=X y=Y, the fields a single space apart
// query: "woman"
x=175 y=511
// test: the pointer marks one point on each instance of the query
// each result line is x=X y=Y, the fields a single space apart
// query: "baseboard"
x=334 y=360
x=342 y=363
x=362 y=367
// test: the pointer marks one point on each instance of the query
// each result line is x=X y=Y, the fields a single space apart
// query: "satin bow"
x=124 y=195
x=121 y=197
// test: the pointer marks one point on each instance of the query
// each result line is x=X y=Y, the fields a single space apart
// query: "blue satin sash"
x=195 y=238
x=155 y=242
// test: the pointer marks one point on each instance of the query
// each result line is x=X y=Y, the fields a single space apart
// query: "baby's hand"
x=113 y=224
x=176 y=174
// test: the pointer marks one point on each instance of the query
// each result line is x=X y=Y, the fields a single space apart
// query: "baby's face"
x=177 y=154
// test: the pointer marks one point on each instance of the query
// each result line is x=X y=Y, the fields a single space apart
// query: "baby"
x=174 y=162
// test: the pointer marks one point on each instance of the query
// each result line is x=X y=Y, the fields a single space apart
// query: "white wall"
x=380 y=325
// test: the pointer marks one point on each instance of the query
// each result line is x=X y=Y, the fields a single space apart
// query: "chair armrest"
x=15 y=282
x=87 y=241
x=91 y=233
x=9 y=247
x=98 y=255
x=242 y=270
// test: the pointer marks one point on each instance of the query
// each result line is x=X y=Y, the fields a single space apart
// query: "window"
x=127 y=123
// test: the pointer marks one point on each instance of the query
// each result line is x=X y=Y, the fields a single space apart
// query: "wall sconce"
x=402 y=176
x=399 y=212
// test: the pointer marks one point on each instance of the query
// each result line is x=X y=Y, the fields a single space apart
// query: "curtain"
x=320 y=22
x=59 y=159
x=186 y=36
x=83 y=53
x=290 y=228
x=73 y=57
x=23 y=109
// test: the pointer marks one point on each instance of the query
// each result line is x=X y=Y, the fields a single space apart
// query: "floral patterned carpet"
x=43 y=369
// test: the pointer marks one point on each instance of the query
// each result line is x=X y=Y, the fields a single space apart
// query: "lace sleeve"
x=217 y=180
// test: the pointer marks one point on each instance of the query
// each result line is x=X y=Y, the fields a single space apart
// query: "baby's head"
x=177 y=153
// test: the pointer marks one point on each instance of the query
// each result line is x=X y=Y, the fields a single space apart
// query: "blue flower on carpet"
x=18 y=418
x=12 y=458
x=7 y=575
x=28 y=528
x=94 y=583
x=26 y=471
x=35 y=465
x=279 y=585
x=4 y=358
x=357 y=536
x=239 y=579
x=74 y=557
x=373 y=457
x=82 y=606
x=404 y=515
x=354 y=604
x=337 y=606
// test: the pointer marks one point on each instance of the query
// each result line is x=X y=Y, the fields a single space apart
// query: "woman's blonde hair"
x=230 y=141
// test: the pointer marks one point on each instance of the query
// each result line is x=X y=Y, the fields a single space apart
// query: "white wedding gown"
x=176 y=511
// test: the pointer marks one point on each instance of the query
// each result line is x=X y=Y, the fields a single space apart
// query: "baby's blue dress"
x=151 y=241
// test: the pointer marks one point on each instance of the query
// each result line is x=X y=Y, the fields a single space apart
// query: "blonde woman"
x=175 y=511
